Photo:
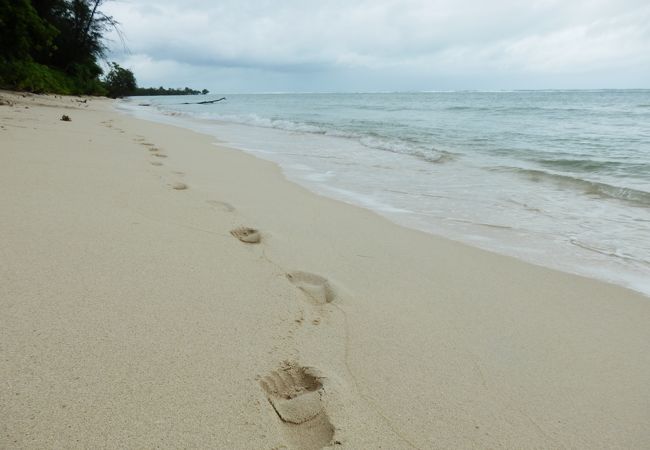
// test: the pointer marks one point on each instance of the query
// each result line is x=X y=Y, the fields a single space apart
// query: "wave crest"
x=591 y=188
x=370 y=140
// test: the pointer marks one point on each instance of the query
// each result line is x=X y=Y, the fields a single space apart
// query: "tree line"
x=168 y=91
x=56 y=46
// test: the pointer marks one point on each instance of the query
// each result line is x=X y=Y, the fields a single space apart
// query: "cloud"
x=393 y=42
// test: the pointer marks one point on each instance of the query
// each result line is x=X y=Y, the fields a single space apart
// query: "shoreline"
x=537 y=240
x=132 y=317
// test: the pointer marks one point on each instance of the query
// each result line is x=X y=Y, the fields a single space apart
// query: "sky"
x=231 y=46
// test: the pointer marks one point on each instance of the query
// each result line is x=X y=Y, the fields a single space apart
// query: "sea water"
x=557 y=178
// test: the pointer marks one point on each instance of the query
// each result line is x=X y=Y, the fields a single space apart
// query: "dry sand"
x=131 y=316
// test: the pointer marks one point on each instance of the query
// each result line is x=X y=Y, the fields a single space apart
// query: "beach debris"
x=66 y=118
x=206 y=102
x=248 y=235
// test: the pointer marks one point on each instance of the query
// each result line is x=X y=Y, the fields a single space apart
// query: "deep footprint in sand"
x=315 y=286
x=156 y=163
x=295 y=394
x=248 y=235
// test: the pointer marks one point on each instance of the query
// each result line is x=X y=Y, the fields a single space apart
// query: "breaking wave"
x=591 y=188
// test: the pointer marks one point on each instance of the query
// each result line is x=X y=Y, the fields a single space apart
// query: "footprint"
x=223 y=205
x=159 y=155
x=295 y=394
x=248 y=235
x=179 y=186
x=315 y=286
x=156 y=163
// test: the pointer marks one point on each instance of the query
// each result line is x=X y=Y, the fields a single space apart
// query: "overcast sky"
x=384 y=45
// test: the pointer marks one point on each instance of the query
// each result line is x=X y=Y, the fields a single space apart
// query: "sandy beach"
x=159 y=290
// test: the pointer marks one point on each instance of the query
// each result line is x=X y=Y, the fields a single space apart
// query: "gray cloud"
x=386 y=44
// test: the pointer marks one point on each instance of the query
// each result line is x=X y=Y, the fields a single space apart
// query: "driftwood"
x=207 y=102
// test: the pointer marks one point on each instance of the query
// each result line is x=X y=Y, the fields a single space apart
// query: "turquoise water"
x=558 y=178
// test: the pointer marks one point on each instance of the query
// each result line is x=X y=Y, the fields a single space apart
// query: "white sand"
x=130 y=316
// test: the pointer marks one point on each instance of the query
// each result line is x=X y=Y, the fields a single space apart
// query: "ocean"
x=556 y=178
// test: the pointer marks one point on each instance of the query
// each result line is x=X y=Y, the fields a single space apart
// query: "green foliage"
x=34 y=77
x=21 y=26
x=119 y=82
x=52 y=45
x=82 y=27
x=168 y=91
x=86 y=79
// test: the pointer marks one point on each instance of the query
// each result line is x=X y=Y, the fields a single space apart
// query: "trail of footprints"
x=294 y=392
x=153 y=150
x=156 y=152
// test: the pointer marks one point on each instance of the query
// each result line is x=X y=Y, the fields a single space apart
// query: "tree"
x=82 y=27
x=119 y=82
x=55 y=45
x=21 y=25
